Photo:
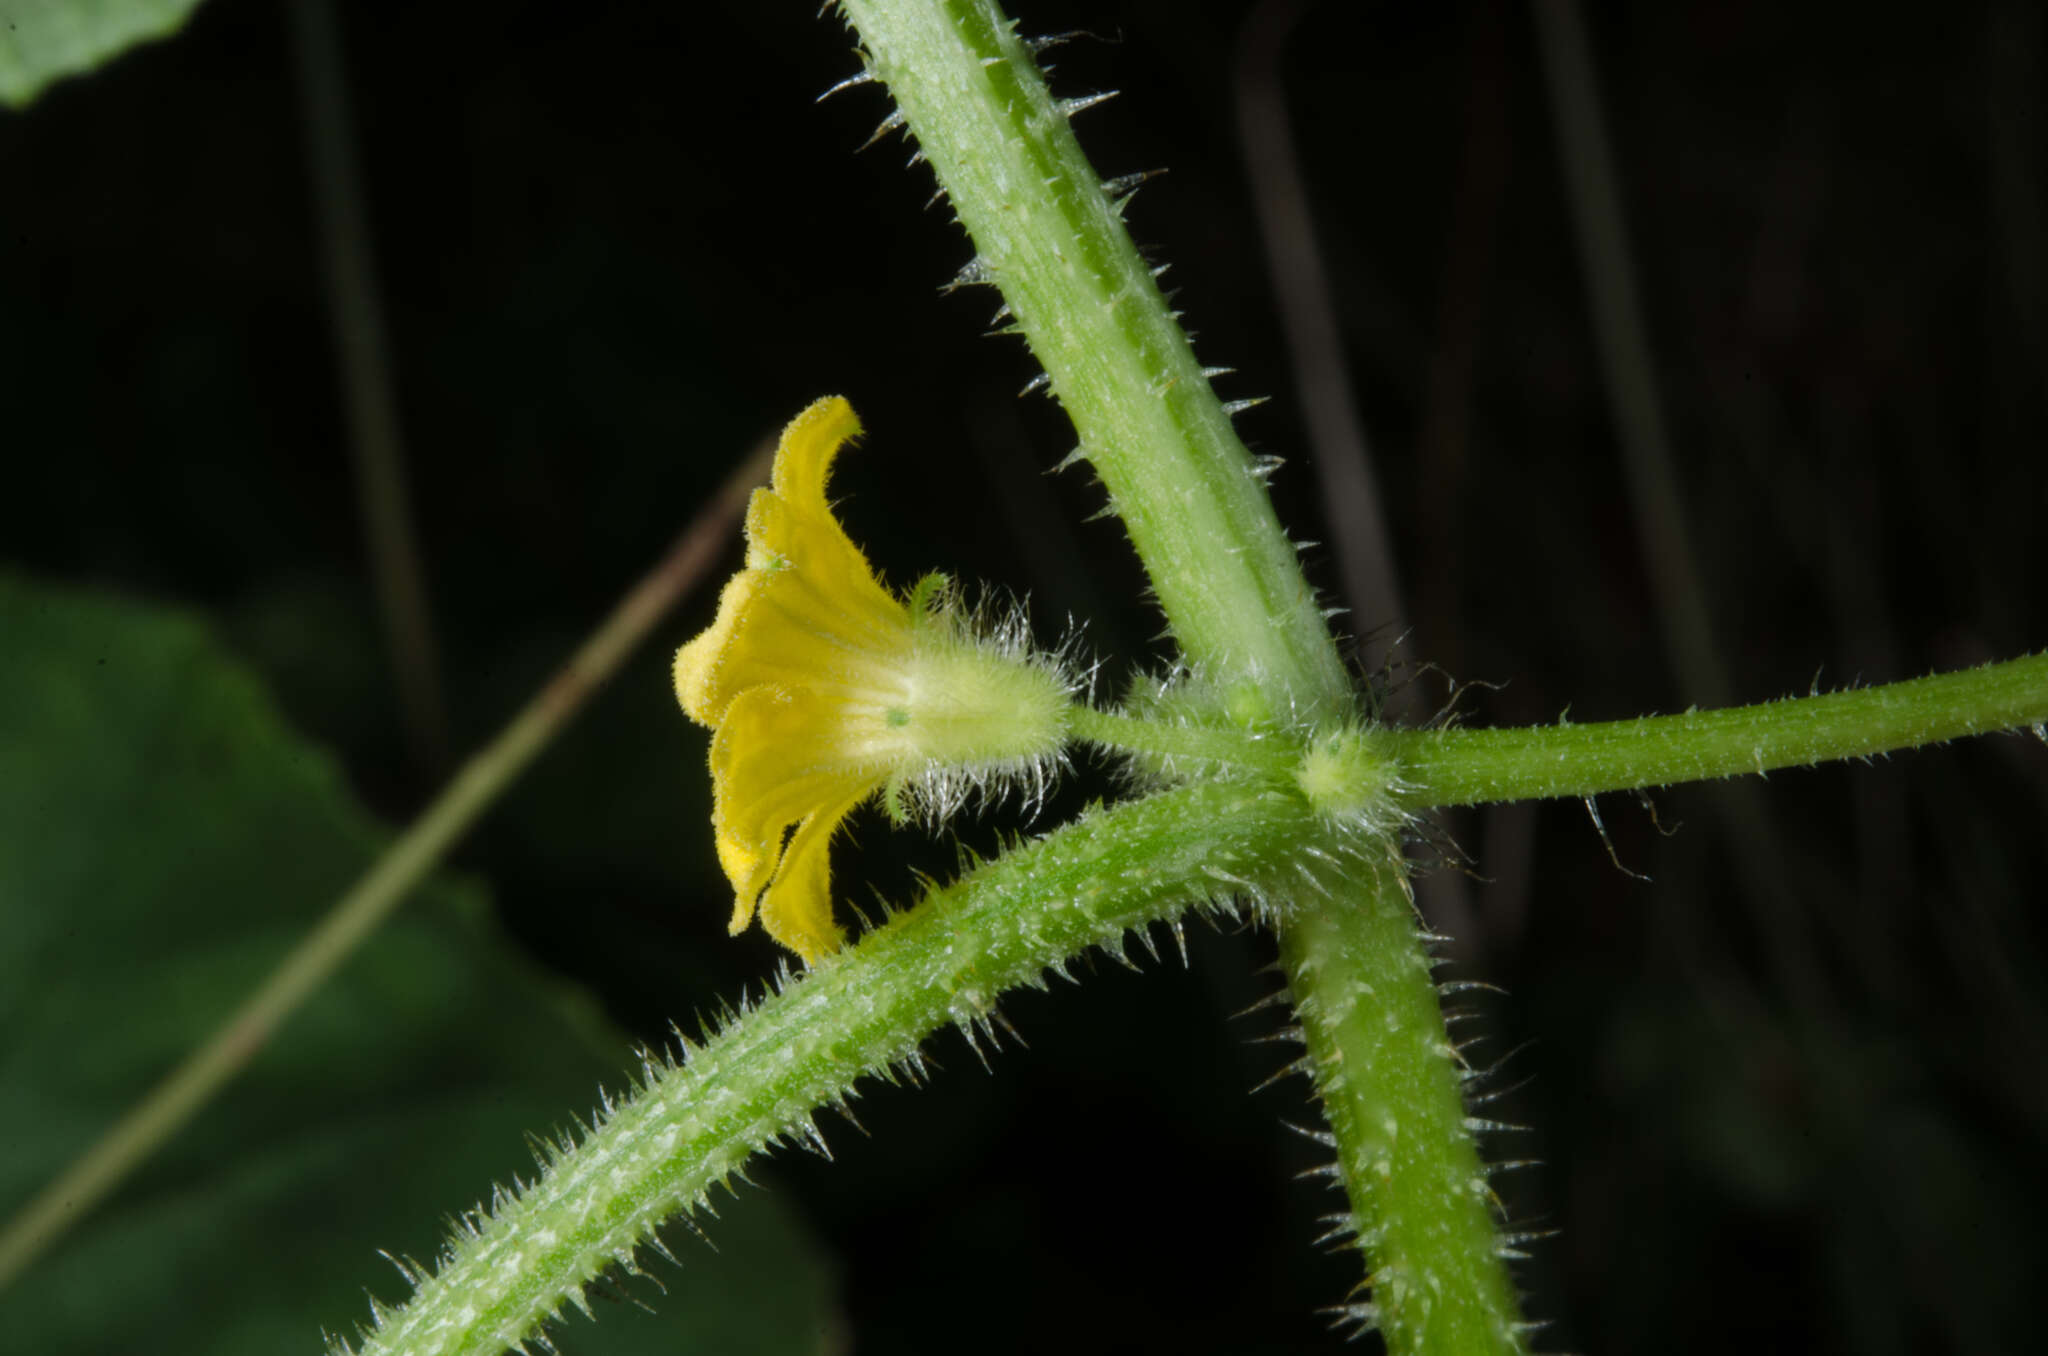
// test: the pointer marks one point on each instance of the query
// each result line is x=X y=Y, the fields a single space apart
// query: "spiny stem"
x=1053 y=240
x=1421 y=1211
x=657 y=1152
x=1049 y=236
x=1466 y=767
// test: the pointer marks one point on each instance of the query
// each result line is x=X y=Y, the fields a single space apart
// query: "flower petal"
x=795 y=638
x=797 y=910
x=773 y=765
x=806 y=604
x=749 y=866
x=778 y=754
x=809 y=443
x=699 y=662
x=786 y=540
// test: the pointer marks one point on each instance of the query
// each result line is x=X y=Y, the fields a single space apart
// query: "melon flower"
x=824 y=689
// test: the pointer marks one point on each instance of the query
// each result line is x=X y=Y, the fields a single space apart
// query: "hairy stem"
x=1048 y=234
x=692 y=1125
x=1052 y=238
x=1465 y=767
x=1390 y=1083
x=1194 y=743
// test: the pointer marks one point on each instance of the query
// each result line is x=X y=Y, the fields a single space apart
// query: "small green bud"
x=1345 y=776
x=1247 y=706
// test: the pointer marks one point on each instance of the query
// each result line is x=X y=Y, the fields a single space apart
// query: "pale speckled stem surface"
x=1051 y=238
x=1392 y=1088
x=1049 y=235
x=661 y=1150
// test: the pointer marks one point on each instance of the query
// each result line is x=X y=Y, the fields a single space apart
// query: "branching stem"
x=1049 y=235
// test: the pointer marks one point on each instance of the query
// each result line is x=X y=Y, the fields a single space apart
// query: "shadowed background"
x=1792 y=1097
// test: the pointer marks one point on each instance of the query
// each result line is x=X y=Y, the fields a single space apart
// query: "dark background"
x=1791 y=1096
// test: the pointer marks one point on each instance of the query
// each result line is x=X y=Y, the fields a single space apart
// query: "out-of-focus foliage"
x=164 y=838
x=42 y=41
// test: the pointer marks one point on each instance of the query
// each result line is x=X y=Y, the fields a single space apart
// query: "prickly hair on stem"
x=698 y=1114
x=1403 y=1104
x=1049 y=234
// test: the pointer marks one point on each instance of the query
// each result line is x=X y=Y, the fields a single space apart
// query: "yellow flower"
x=823 y=688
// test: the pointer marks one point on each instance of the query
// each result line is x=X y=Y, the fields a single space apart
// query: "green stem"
x=1053 y=240
x=1190 y=743
x=1465 y=767
x=1049 y=235
x=691 y=1126
x=1421 y=1211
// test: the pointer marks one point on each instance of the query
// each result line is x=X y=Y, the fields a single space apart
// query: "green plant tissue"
x=43 y=41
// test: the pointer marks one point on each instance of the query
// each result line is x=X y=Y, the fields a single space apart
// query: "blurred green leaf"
x=42 y=41
x=164 y=838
